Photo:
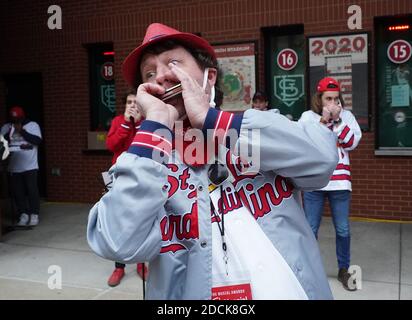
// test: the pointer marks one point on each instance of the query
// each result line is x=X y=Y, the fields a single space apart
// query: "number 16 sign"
x=287 y=59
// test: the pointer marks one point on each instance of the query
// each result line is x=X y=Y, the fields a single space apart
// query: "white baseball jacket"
x=160 y=212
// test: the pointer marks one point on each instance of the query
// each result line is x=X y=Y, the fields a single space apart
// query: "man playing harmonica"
x=246 y=239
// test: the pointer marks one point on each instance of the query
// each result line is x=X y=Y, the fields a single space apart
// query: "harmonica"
x=171 y=92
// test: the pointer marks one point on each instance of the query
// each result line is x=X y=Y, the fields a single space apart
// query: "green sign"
x=287 y=80
x=394 y=86
x=102 y=87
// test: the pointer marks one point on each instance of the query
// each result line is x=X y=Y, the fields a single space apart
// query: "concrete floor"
x=28 y=260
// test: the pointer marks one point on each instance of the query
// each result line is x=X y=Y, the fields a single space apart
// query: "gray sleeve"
x=304 y=152
x=124 y=224
x=33 y=128
x=31 y=133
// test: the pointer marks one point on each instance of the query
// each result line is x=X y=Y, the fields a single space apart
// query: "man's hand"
x=335 y=110
x=152 y=108
x=326 y=114
x=132 y=111
x=331 y=112
x=195 y=99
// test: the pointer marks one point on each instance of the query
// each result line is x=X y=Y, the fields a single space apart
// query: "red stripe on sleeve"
x=341 y=177
x=349 y=144
x=154 y=141
x=223 y=122
x=341 y=166
x=344 y=133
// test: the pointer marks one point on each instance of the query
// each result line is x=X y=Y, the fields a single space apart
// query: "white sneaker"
x=24 y=220
x=34 y=220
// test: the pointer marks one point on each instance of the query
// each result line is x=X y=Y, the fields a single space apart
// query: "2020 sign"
x=334 y=46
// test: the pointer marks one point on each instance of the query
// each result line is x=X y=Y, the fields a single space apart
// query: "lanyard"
x=221 y=229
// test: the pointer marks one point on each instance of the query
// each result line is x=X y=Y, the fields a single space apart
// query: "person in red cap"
x=122 y=131
x=24 y=137
x=187 y=210
x=327 y=109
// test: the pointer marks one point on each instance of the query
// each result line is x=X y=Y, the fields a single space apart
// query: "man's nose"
x=164 y=74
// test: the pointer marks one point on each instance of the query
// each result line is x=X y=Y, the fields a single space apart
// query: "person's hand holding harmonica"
x=196 y=101
x=154 y=109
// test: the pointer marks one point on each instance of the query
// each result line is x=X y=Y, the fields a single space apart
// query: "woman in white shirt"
x=328 y=111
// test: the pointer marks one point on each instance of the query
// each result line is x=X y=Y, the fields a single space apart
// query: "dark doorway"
x=26 y=90
x=285 y=69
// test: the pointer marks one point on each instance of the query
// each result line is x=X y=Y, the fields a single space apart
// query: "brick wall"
x=382 y=185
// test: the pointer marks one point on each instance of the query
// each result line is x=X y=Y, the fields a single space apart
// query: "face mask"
x=212 y=103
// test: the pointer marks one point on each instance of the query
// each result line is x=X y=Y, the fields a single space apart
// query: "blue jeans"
x=339 y=202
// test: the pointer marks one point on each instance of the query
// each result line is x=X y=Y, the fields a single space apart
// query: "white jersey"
x=349 y=135
x=21 y=159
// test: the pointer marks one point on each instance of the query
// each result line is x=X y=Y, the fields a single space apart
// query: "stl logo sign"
x=289 y=88
x=108 y=96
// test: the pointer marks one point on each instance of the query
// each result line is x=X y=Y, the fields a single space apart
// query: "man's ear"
x=212 y=76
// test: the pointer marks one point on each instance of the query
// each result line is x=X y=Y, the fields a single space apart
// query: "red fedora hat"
x=155 y=33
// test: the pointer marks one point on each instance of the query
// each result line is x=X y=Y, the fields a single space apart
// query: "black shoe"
x=345 y=277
